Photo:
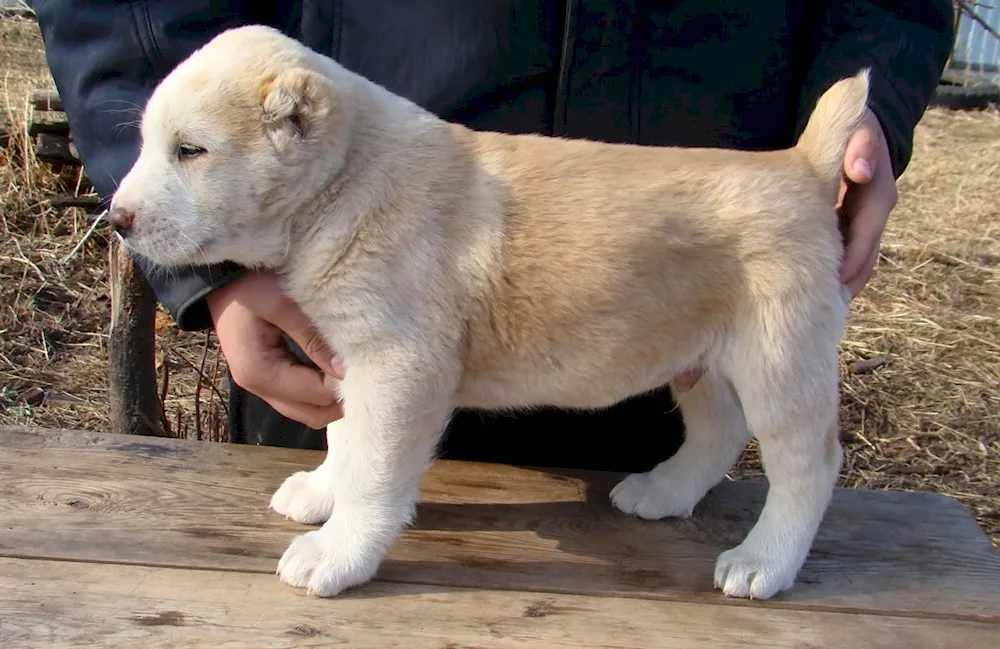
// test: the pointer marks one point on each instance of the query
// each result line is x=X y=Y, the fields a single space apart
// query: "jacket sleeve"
x=906 y=44
x=106 y=58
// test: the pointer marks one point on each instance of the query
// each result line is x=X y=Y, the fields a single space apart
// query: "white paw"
x=322 y=562
x=305 y=497
x=749 y=572
x=655 y=495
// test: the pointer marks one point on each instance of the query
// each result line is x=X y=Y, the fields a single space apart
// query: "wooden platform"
x=139 y=542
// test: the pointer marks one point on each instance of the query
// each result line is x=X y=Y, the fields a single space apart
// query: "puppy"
x=460 y=269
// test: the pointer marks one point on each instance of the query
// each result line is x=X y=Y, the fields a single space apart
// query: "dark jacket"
x=689 y=72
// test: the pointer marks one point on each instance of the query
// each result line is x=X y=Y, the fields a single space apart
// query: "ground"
x=920 y=359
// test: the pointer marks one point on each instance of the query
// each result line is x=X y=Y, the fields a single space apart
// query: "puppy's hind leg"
x=307 y=496
x=715 y=434
x=785 y=373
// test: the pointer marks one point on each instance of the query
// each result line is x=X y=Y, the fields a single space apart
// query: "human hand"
x=867 y=196
x=250 y=315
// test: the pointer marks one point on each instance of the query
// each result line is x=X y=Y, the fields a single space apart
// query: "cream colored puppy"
x=452 y=268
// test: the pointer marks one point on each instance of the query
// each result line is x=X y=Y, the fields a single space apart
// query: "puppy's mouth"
x=173 y=251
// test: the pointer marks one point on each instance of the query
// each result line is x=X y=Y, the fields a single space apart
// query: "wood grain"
x=164 y=502
x=63 y=604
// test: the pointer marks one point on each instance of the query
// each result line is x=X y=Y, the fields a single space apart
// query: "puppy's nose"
x=121 y=220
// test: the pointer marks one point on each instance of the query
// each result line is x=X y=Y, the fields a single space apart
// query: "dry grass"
x=926 y=418
x=54 y=306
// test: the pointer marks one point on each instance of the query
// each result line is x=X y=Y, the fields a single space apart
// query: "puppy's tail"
x=839 y=111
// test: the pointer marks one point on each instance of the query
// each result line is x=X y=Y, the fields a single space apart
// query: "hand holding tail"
x=867 y=196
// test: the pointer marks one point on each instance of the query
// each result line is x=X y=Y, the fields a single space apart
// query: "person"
x=687 y=73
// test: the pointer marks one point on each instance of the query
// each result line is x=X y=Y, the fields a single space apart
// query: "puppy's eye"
x=185 y=151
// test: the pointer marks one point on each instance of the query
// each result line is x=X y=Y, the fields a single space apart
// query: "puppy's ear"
x=294 y=104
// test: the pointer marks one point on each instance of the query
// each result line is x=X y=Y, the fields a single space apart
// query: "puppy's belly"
x=554 y=384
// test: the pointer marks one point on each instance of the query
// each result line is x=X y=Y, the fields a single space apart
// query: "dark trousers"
x=634 y=436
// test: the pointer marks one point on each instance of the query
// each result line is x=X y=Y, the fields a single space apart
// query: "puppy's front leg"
x=393 y=419
x=307 y=496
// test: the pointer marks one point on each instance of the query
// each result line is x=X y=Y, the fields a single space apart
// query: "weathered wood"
x=56 y=149
x=63 y=604
x=47 y=122
x=49 y=128
x=179 y=503
x=134 y=400
x=46 y=99
x=18 y=10
x=86 y=202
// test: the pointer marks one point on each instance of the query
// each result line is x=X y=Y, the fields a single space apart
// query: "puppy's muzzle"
x=121 y=220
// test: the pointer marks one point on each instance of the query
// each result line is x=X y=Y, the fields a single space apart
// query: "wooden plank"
x=62 y=604
x=48 y=122
x=55 y=149
x=86 y=202
x=46 y=99
x=10 y=10
x=165 y=502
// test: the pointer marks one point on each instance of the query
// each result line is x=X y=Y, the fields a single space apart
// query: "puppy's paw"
x=654 y=495
x=746 y=571
x=321 y=562
x=305 y=497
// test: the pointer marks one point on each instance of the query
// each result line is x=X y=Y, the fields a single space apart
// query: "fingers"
x=282 y=378
x=861 y=157
x=866 y=198
x=267 y=371
x=296 y=391
x=864 y=233
x=312 y=416
x=298 y=327
x=279 y=310
x=249 y=317
x=841 y=194
x=867 y=209
x=858 y=281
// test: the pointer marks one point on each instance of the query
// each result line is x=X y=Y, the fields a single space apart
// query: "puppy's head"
x=236 y=141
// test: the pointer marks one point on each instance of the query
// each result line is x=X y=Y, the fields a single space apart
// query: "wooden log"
x=86 y=202
x=46 y=99
x=48 y=122
x=135 y=403
x=56 y=149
